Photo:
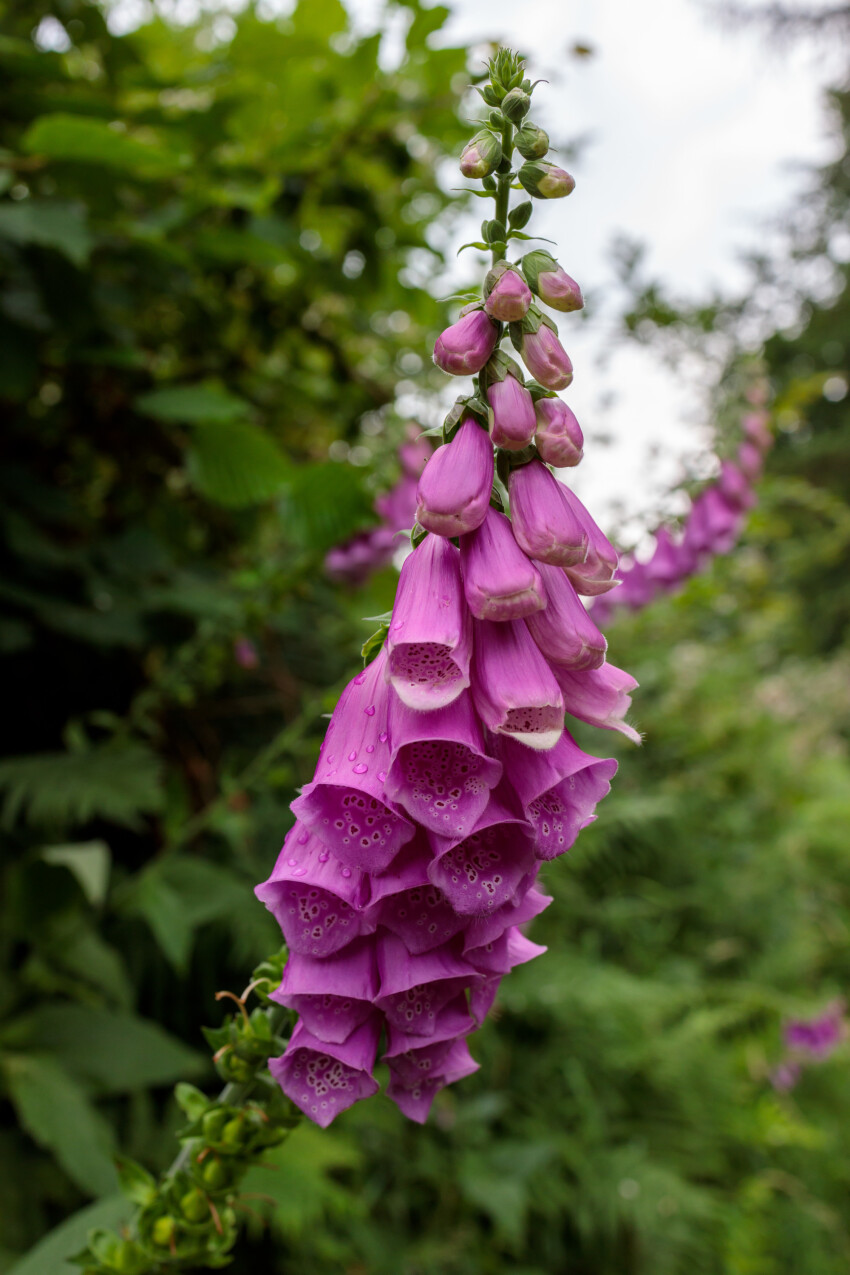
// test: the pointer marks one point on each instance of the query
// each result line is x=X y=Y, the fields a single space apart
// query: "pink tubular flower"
x=414 y=988
x=483 y=871
x=345 y=804
x=323 y=1079
x=546 y=359
x=596 y=573
x=412 y=1092
x=734 y=486
x=600 y=696
x=513 y=688
x=510 y=298
x=315 y=899
x=544 y=524
x=440 y=772
x=564 y=631
x=454 y=491
x=559 y=790
x=499 y=581
x=757 y=430
x=559 y=439
x=406 y=902
x=466 y=346
x=750 y=460
x=665 y=567
x=514 y=421
x=334 y=995
x=429 y=642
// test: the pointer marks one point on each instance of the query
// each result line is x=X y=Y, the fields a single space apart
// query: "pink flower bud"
x=454 y=491
x=513 y=414
x=559 y=438
x=546 y=359
x=757 y=429
x=510 y=298
x=481 y=155
x=499 y=581
x=564 y=631
x=466 y=346
x=558 y=290
x=544 y=524
x=545 y=181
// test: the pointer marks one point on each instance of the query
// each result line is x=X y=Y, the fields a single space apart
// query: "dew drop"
x=370 y=711
x=361 y=768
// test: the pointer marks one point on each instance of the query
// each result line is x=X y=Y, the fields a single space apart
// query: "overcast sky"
x=697 y=134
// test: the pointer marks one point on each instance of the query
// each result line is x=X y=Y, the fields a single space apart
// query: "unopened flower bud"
x=466 y=346
x=546 y=359
x=513 y=414
x=454 y=491
x=531 y=141
x=482 y=155
x=546 y=181
x=515 y=105
x=509 y=298
x=551 y=283
x=193 y=1205
x=559 y=438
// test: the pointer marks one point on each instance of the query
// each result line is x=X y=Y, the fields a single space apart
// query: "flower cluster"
x=356 y=560
x=807 y=1041
x=447 y=777
x=713 y=525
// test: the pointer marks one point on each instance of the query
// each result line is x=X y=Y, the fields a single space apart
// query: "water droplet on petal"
x=352 y=756
x=346 y=872
x=303 y=837
x=361 y=768
x=370 y=711
x=382 y=776
x=383 y=737
x=293 y=863
x=370 y=748
x=324 y=856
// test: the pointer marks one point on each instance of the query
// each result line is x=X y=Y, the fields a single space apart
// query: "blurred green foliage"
x=186 y=329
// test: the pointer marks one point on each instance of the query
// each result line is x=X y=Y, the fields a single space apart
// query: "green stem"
x=232 y=1095
x=503 y=184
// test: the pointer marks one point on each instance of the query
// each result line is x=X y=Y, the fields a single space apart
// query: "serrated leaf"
x=115 y=1051
x=50 y=1255
x=117 y=782
x=89 y=861
x=324 y=504
x=202 y=404
x=85 y=140
x=237 y=464
x=49 y=224
x=56 y=1112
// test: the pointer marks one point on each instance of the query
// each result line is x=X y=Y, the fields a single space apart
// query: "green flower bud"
x=193 y=1206
x=545 y=181
x=482 y=155
x=215 y=1175
x=516 y=105
x=231 y=1134
x=162 y=1231
x=531 y=142
x=212 y=1125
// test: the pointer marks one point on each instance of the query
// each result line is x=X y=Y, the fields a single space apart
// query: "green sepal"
x=493 y=231
x=539 y=391
x=520 y=215
x=192 y=1102
x=136 y=1183
x=417 y=536
x=489 y=183
x=497 y=367
x=373 y=644
x=482 y=247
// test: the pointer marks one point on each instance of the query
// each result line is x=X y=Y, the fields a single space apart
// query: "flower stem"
x=503 y=188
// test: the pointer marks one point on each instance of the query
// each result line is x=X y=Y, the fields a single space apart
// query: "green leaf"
x=176 y=895
x=324 y=504
x=319 y=19
x=89 y=861
x=50 y=1255
x=115 y=1051
x=191 y=1100
x=49 y=224
x=201 y=404
x=302 y=1186
x=91 y=141
x=236 y=465
x=136 y=1183
x=58 y=1115
x=117 y=782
